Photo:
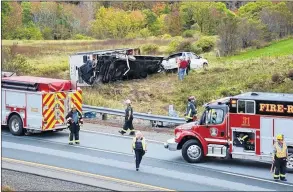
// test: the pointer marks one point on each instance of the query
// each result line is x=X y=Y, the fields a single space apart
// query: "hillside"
x=266 y=69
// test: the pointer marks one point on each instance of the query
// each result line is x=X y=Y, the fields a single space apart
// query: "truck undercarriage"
x=116 y=67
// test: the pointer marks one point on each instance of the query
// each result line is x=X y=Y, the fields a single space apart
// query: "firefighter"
x=74 y=119
x=280 y=158
x=191 y=110
x=128 y=119
x=139 y=148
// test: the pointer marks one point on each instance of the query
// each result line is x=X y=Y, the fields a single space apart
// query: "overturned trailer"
x=104 y=66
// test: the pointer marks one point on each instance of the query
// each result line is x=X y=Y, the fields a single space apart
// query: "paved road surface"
x=111 y=156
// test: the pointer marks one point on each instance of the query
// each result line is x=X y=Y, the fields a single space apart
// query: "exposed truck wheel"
x=192 y=151
x=15 y=125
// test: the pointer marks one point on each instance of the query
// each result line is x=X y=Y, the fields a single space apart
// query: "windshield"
x=212 y=117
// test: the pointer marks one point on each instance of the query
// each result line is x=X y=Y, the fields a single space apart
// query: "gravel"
x=20 y=181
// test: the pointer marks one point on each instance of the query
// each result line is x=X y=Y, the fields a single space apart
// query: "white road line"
x=176 y=163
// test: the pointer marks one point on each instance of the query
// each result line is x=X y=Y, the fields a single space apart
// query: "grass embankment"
x=266 y=69
x=249 y=71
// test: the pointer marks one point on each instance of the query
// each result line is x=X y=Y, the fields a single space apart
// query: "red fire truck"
x=256 y=116
x=35 y=104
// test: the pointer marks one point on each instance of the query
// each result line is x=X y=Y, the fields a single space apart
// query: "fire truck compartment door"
x=266 y=136
x=3 y=107
x=284 y=126
x=34 y=111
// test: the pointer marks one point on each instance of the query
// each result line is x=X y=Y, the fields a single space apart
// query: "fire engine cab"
x=35 y=104
x=241 y=127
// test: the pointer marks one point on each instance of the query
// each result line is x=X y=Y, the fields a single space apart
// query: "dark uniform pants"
x=138 y=156
x=189 y=120
x=280 y=171
x=128 y=125
x=74 y=130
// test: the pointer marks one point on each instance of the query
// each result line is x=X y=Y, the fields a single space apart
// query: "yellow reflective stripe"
x=276 y=175
x=189 y=113
x=282 y=175
x=244 y=137
x=133 y=142
x=76 y=140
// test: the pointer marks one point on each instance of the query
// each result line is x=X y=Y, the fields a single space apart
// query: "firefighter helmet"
x=279 y=137
x=192 y=97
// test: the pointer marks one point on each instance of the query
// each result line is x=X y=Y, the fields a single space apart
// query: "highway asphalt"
x=111 y=156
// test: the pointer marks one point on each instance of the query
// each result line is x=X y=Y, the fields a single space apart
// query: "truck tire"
x=192 y=151
x=290 y=162
x=15 y=125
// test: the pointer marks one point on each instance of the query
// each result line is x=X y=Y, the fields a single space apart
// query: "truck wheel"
x=15 y=125
x=290 y=163
x=192 y=151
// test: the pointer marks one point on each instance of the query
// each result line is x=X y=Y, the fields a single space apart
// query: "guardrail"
x=136 y=115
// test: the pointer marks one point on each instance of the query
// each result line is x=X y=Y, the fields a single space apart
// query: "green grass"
x=248 y=71
x=281 y=48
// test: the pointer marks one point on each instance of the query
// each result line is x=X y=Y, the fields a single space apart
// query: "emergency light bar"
x=233 y=103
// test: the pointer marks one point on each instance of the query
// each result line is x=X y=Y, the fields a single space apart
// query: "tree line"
x=238 y=26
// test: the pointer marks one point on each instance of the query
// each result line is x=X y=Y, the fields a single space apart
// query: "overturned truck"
x=104 y=66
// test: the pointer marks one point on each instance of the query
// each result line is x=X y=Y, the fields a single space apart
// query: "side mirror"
x=199 y=57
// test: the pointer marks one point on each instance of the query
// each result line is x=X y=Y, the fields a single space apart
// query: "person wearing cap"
x=280 y=158
x=182 y=65
x=139 y=148
x=128 y=119
x=190 y=114
x=74 y=119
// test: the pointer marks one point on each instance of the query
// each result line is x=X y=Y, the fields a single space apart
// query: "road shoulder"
x=74 y=176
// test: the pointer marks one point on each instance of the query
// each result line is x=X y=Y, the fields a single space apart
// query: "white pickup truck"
x=197 y=62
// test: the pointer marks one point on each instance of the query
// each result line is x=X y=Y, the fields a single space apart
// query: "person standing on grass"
x=128 y=119
x=182 y=65
x=188 y=66
x=139 y=148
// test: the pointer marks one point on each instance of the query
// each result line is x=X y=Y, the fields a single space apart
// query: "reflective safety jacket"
x=138 y=144
x=190 y=111
x=128 y=113
x=281 y=152
x=69 y=118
